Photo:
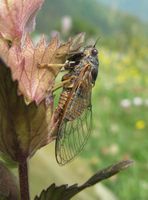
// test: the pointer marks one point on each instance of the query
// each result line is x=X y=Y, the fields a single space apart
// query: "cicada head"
x=91 y=54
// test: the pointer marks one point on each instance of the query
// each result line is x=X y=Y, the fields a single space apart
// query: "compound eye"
x=94 y=52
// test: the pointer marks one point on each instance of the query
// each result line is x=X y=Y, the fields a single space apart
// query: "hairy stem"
x=23 y=179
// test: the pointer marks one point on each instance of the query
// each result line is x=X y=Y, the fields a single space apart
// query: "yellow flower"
x=105 y=59
x=140 y=124
x=127 y=60
x=121 y=79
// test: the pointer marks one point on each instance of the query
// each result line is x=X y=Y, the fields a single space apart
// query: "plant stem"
x=23 y=179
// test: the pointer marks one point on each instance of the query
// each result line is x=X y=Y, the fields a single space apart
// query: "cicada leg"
x=59 y=85
x=49 y=66
x=53 y=68
x=67 y=65
x=66 y=82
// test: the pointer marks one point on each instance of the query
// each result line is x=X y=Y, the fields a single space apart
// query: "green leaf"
x=66 y=192
x=8 y=162
x=8 y=185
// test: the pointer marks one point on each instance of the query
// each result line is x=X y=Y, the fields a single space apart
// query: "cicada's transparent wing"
x=72 y=137
x=75 y=127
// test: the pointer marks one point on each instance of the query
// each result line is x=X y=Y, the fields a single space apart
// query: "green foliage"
x=120 y=120
x=116 y=29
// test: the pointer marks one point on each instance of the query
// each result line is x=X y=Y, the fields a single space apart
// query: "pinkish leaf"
x=17 y=17
x=23 y=129
x=35 y=82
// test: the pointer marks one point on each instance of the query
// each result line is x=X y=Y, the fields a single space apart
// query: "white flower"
x=137 y=101
x=125 y=103
x=66 y=23
x=114 y=149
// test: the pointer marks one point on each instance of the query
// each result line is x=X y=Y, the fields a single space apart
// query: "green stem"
x=23 y=179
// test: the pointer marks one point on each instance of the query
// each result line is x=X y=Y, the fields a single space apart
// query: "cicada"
x=74 y=108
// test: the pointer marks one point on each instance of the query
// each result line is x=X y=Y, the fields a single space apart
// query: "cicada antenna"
x=97 y=41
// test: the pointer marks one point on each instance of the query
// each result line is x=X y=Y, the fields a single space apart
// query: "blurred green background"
x=120 y=97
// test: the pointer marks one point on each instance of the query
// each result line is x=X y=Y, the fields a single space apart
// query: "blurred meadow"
x=120 y=97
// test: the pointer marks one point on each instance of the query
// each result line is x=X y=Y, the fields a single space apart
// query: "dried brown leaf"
x=77 y=42
x=65 y=192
